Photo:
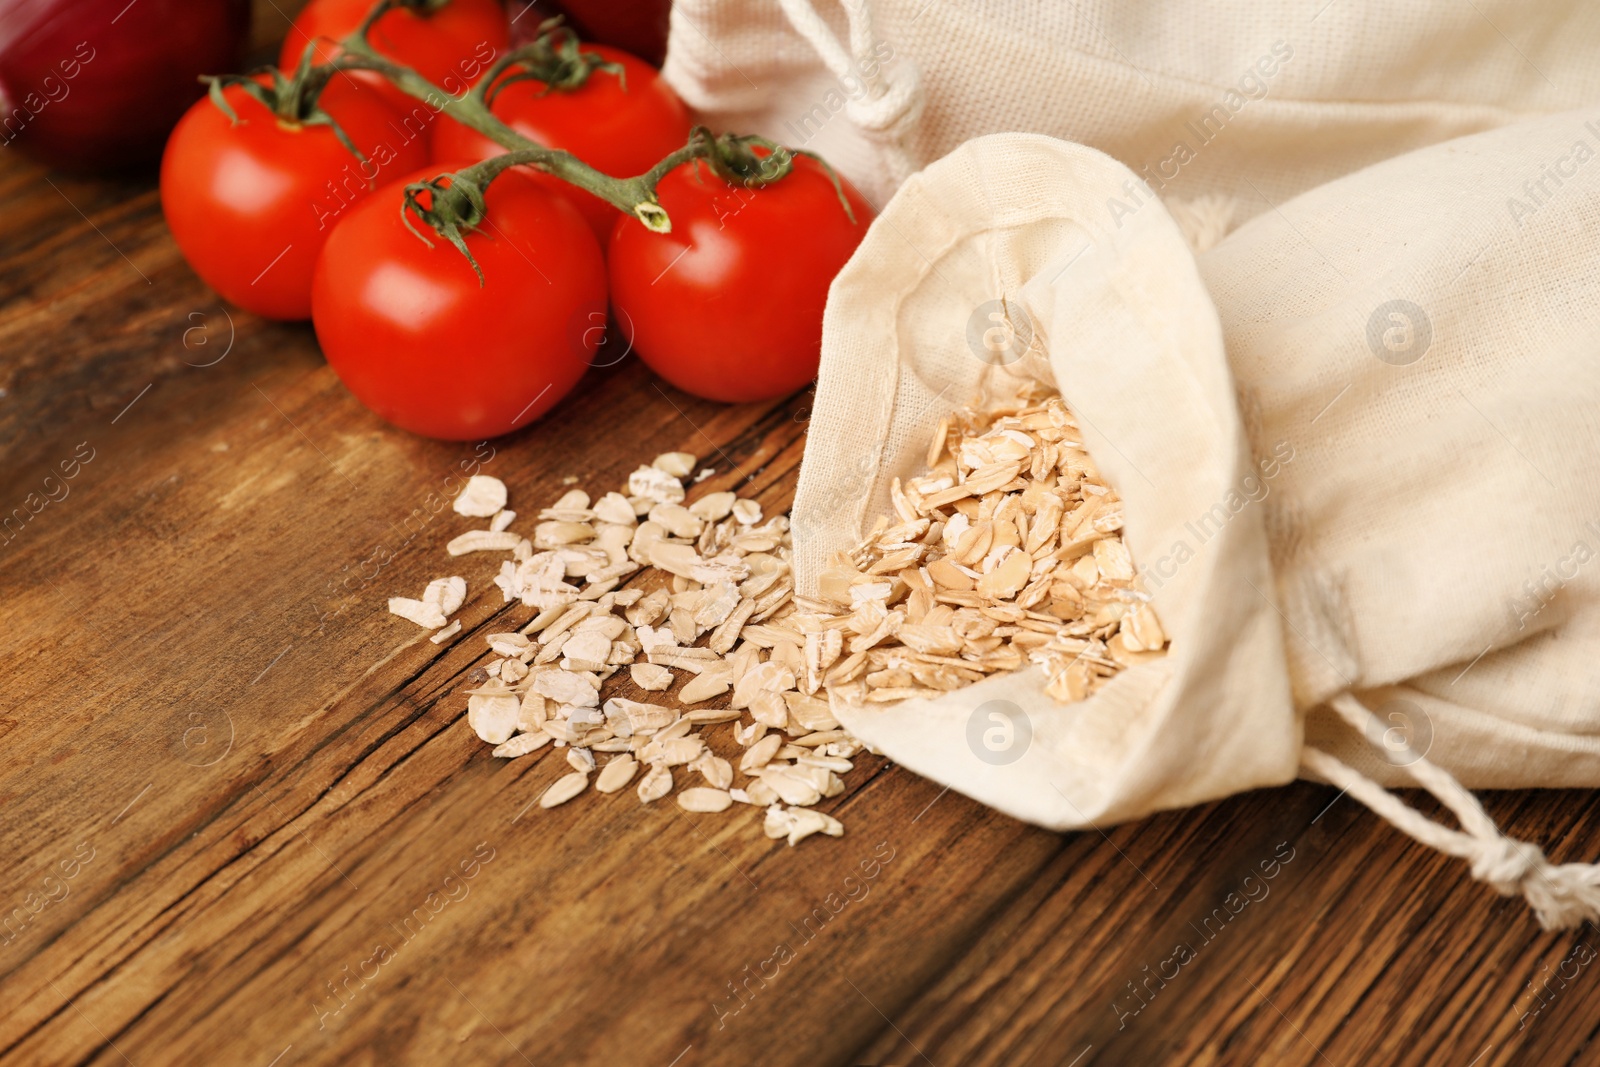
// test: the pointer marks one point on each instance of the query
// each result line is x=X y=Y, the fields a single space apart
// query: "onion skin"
x=95 y=85
x=636 y=26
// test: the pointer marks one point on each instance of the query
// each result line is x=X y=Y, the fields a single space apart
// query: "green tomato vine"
x=452 y=204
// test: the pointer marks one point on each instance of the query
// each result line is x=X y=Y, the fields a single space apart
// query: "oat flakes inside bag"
x=1008 y=551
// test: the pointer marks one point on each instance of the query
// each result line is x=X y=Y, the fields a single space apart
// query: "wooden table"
x=231 y=776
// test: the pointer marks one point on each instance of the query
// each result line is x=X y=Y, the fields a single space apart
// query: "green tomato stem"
x=455 y=202
x=632 y=196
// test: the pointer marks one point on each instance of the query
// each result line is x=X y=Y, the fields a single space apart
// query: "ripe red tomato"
x=416 y=339
x=450 y=47
x=728 y=305
x=251 y=203
x=619 y=126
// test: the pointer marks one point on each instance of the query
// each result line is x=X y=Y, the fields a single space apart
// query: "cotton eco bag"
x=1256 y=102
x=1414 y=344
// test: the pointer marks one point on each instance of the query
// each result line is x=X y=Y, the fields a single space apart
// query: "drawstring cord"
x=1563 y=895
x=889 y=106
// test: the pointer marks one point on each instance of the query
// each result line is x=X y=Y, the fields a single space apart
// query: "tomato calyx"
x=554 y=57
x=753 y=161
x=456 y=201
x=295 y=100
x=454 y=208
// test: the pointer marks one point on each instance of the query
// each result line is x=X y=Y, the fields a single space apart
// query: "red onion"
x=97 y=84
x=637 y=26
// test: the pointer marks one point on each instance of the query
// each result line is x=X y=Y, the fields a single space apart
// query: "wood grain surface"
x=234 y=787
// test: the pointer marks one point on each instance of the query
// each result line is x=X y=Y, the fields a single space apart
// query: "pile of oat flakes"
x=1007 y=552
x=713 y=604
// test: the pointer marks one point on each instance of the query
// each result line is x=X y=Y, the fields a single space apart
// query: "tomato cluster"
x=319 y=202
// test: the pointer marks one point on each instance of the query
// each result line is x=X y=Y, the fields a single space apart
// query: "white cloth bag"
x=1356 y=439
x=1139 y=352
x=1357 y=444
x=1256 y=101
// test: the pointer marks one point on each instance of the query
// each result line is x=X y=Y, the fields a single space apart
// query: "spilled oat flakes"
x=712 y=606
